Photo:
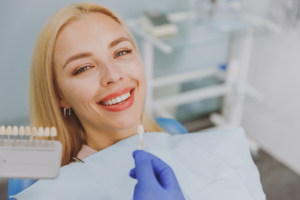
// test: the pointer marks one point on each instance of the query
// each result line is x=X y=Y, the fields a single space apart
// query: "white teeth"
x=27 y=131
x=53 y=132
x=118 y=99
x=33 y=131
x=21 y=130
x=40 y=132
x=47 y=132
x=15 y=131
x=8 y=130
x=123 y=97
x=2 y=130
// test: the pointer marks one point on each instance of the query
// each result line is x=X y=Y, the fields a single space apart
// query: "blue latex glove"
x=156 y=179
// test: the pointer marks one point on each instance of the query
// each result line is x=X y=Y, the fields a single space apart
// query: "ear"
x=63 y=103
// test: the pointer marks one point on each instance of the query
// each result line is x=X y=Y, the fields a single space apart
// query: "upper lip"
x=117 y=93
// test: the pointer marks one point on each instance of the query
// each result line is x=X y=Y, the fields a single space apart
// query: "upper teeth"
x=117 y=99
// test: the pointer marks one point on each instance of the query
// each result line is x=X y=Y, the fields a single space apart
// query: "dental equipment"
x=141 y=130
x=32 y=157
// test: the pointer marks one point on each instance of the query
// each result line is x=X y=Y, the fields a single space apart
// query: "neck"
x=101 y=139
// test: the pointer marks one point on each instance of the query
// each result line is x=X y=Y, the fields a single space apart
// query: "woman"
x=87 y=79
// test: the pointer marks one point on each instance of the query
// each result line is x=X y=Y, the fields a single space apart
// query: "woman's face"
x=96 y=65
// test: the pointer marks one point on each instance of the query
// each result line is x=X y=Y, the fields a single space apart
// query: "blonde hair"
x=44 y=91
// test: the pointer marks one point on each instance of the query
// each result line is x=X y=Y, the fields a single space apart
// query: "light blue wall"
x=21 y=21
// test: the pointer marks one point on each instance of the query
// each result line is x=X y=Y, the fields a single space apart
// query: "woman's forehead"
x=93 y=26
x=93 y=30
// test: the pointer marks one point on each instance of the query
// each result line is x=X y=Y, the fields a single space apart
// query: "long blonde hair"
x=44 y=91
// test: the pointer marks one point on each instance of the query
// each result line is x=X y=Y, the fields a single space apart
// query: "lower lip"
x=120 y=107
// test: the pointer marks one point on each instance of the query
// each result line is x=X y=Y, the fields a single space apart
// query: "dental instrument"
x=29 y=159
x=141 y=130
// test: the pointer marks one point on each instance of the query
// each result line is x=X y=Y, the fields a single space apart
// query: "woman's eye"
x=120 y=53
x=82 y=69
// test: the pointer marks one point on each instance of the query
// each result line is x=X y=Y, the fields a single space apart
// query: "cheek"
x=136 y=72
x=78 y=91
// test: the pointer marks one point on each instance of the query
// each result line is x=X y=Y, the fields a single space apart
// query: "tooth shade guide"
x=47 y=133
x=21 y=131
x=8 y=130
x=15 y=131
x=24 y=161
x=140 y=131
x=40 y=133
x=27 y=131
x=2 y=130
x=33 y=132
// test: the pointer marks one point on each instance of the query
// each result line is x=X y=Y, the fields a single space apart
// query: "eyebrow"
x=117 y=41
x=89 y=54
x=78 y=56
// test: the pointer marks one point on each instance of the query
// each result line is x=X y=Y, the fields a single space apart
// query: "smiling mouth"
x=117 y=100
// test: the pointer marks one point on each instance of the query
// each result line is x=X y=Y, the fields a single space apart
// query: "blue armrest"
x=16 y=186
x=171 y=126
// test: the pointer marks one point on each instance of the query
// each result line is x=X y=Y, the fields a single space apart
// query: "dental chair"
x=171 y=126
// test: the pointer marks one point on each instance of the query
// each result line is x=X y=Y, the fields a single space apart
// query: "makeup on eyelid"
x=124 y=52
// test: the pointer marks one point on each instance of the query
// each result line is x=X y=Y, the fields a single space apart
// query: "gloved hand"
x=156 y=179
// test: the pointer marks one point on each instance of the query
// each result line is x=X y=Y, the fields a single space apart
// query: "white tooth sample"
x=123 y=97
x=113 y=101
x=15 y=131
x=53 y=132
x=118 y=99
x=141 y=130
x=109 y=102
x=21 y=130
x=27 y=131
x=129 y=94
x=8 y=130
x=2 y=130
x=33 y=131
x=47 y=132
x=40 y=132
x=106 y=103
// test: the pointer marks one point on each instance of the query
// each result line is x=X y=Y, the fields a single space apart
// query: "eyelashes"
x=122 y=52
x=86 y=67
x=82 y=69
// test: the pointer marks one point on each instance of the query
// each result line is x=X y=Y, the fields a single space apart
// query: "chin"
x=124 y=123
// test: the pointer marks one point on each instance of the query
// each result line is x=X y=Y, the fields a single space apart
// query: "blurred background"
x=209 y=64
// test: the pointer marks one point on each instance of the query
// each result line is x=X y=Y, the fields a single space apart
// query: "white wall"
x=275 y=71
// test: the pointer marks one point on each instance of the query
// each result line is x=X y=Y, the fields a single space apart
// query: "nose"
x=110 y=74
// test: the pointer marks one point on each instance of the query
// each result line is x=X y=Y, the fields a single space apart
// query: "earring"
x=65 y=111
